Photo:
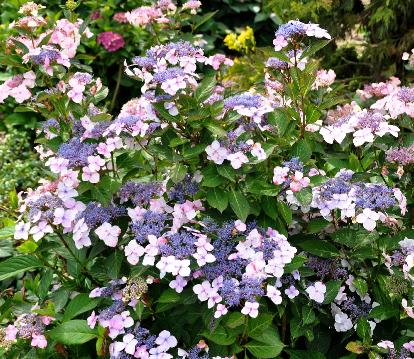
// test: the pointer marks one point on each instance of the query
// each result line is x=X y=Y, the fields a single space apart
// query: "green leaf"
x=303 y=150
x=73 y=332
x=317 y=225
x=315 y=47
x=363 y=329
x=361 y=286
x=19 y=264
x=308 y=354
x=319 y=248
x=45 y=282
x=204 y=19
x=234 y=320
x=178 y=172
x=227 y=171
x=220 y=336
x=264 y=350
x=169 y=296
x=285 y=212
x=258 y=325
x=280 y=119
x=215 y=128
x=239 y=204
x=304 y=196
x=7 y=232
x=269 y=205
x=270 y=335
x=308 y=315
x=332 y=289
x=104 y=190
x=205 y=88
x=384 y=312
x=217 y=198
x=297 y=262
x=101 y=95
x=80 y=304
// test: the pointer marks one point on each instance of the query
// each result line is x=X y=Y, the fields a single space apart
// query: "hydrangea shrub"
x=201 y=222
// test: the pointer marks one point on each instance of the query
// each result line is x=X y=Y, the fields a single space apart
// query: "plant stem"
x=62 y=239
x=118 y=84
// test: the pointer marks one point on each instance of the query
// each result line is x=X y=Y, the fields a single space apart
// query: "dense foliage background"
x=187 y=180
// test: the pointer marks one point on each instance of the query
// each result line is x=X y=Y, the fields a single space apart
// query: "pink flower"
x=251 y=309
x=409 y=346
x=91 y=320
x=216 y=153
x=217 y=60
x=108 y=233
x=240 y=226
x=133 y=252
x=110 y=40
x=237 y=159
x=120 y=17
x=368 y=219
x=39 y=341
x=11 y=332
x=299 y=182
x=280 y=175
x=220 y=311
x=279 y=42
x=90 y=175
x=386 y=344
x=178 y=284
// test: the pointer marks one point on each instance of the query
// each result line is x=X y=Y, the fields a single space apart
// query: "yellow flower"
x=244 y=43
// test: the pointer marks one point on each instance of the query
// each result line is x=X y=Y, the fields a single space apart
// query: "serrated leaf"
x=234 y=320
x=308 y=315
x=80 y=304
x=304 y=196
x=319 y=248
x=239 y=204
x=303 y=150
x=264 y=350
x=285 y=212
x=258 y=325
x=363 y=329
x=205 y=88
x=384 y=312
x=217 y=198
x=19 y=264
x=73 y=332
x=220 y=336
x=332 y=289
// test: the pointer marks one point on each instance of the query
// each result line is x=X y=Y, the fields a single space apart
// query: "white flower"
x=342 y=322
x=251 y=309
x=317 y=292
x=363 y=135
x=368 y=219
x=274 y=294
x=165 y=340
x=21 y=230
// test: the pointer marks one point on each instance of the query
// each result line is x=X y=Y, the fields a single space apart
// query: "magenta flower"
x=111 y=41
